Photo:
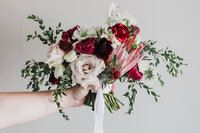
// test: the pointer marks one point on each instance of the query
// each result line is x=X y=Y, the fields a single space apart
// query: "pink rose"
x=135 y=74
x=85 y=70
x=86 y=46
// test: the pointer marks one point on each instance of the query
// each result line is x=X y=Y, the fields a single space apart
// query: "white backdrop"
x=171 y=22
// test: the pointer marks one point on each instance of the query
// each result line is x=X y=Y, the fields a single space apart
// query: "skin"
x=22 y=107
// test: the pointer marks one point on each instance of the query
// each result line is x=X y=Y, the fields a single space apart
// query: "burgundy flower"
x=135 y=74
x=86 y=46
x=115 y=73
x=136 y=30
x=121 y=32
x=68 y=34
x=103 y=49
x=54 y=80
x=65 y=45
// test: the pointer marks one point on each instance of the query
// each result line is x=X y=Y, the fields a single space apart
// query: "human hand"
x=79 y=94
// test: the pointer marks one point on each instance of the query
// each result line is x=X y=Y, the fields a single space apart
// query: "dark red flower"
x=121 y=32
x=136 y=30
x=135 y=74
x=103 y=49
x=54 y=80
x=68 y=34
x=65 y=45
x=115 y=73
x=86 y=46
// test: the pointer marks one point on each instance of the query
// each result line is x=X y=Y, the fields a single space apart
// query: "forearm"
x=21 y=107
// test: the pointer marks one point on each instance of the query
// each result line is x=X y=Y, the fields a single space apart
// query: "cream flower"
x=58 y=71
x=85 y=70
x=71 y=56
x=55 y=56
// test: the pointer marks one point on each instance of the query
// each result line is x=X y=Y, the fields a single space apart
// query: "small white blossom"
x=58 y=71
x=70 y=57
x=128 y=19
x=84 y=32
x=113 y=7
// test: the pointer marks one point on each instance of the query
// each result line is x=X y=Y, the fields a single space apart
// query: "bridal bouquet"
x=99 y=56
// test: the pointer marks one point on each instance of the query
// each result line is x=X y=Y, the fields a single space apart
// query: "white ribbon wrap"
x=99 y=109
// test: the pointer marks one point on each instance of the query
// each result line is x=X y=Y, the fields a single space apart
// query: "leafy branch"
x=172 y=61
x=37 y=72
x=48 y=35
x=132 y=91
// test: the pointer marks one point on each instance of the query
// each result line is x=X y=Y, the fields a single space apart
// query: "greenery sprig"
x=37 y=72
x=48 y=36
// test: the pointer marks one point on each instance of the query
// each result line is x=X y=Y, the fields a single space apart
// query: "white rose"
x=71 y=56
x=58 y=71
x=85 y=70
x=55 y=56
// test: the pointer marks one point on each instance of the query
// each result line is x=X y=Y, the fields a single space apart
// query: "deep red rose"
x=65 y=45
x=68 y=34
x=115 y=73
x=103 y=49
x=135 y=74
x=136 y=30
x=121 y=32
x=86 y=46
x=54 y=80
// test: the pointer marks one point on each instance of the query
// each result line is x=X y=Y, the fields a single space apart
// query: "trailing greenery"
x=132 y=91
x=48 y=36
x=172 y=61
x=37 y=72
x=173 y=65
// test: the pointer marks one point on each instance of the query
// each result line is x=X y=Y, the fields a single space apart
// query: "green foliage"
x=130 y=94
x=48 y=36
x=37 y=72
x=172 y=62
x=58 y=93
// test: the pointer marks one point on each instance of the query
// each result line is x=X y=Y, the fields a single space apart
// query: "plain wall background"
x=173 y=23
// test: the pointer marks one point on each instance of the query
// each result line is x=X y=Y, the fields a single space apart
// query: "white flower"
x=113 y=7
x=71 y=56
x=114 y=17
x=128 y=19
x=84 y=32
x=55 y=56
x=58 y=71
